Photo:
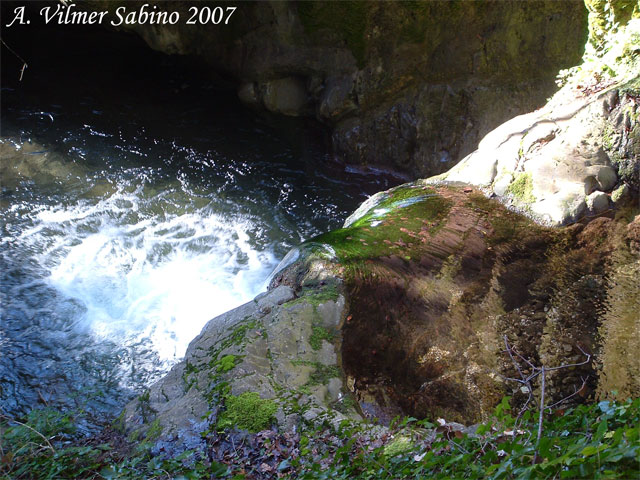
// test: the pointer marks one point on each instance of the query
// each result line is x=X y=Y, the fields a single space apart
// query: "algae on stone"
x=522 y=188
x=247 y=412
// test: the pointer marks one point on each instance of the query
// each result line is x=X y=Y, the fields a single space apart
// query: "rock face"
x=278 y=348
x=436 y=279
x=413 y=85
x=561 y=162
x=406 y=310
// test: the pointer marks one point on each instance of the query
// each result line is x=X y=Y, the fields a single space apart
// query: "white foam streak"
x=159 y=279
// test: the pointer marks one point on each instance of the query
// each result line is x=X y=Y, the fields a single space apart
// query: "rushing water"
x=136 y=205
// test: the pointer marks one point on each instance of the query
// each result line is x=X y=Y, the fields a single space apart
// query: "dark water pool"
x=138 y=201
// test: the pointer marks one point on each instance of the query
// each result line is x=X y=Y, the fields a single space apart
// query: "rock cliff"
x=408 y=85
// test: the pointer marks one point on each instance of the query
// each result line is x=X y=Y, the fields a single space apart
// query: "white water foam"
x=154 y=278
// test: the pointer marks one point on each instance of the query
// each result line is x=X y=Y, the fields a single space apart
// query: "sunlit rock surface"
x=562 y=162
x=282 y=346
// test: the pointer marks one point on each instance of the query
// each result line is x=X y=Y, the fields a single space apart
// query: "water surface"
x=138 y=201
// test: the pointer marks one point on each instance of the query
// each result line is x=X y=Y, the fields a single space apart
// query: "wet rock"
x=287 y=96
x=597 y=202
x=335 y=101
x=279 y=346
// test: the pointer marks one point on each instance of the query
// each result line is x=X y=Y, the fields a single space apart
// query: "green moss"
x=522 y=188
x=189 y=375
x=226 y=363
x=118 y=424
x=607 y=137
x=316 y=296
x=318 y=334
x=421 y=17
x=239 y=333
x=398 y=222
x=144 y=405
x=346 y=18
x=322 y=373
x=397 y=446
x=247 y=412
x=506 y=224
x=154 y=431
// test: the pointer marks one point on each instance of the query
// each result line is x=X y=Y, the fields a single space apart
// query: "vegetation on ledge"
x=595 y=441
x=248 y=412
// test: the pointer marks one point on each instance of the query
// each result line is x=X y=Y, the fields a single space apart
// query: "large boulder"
x=438 y=278
x=561 y=162
x=408 y=310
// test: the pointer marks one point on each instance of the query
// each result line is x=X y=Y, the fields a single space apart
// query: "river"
x=138 y=201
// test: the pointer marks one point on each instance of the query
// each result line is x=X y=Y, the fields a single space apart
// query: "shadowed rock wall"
x=409 y=85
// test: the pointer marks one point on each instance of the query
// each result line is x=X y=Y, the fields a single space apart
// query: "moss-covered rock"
x=268 y=361
x=436 y=277
x=406 y=310
x=247 y=412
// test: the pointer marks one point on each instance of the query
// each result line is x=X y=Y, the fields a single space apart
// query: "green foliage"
x=29 y=450
x=612 y=54
x=46 y=446
x=247 y=412
x=595 y=441
x=318 y=334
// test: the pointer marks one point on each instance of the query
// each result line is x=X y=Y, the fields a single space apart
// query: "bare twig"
x=49 y=446
x=573 y=364
x=509 y=351
x=577 y=390
x=24 y=64
x=540 y=416
x=542 y=372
